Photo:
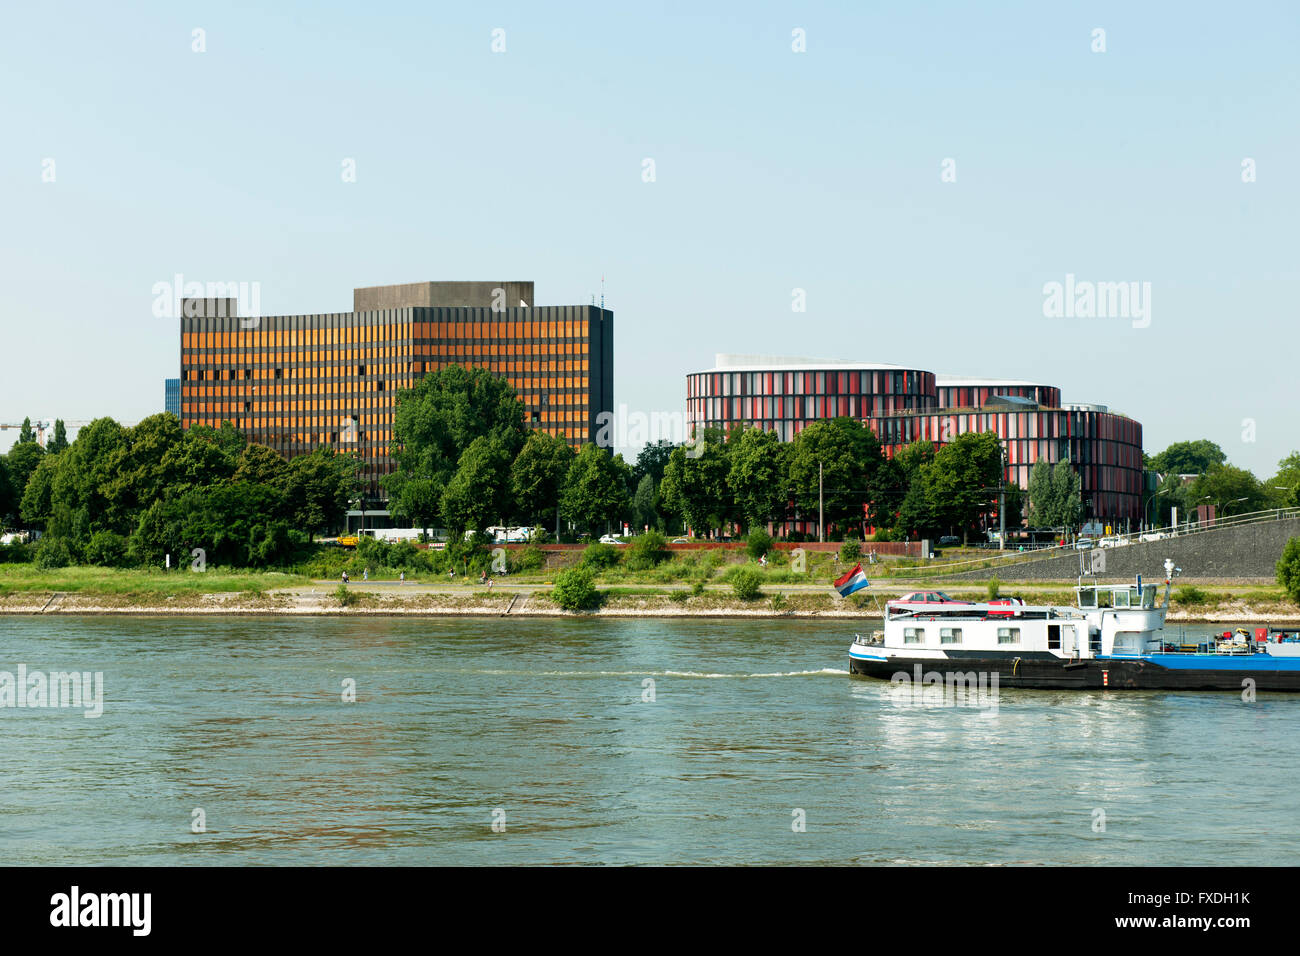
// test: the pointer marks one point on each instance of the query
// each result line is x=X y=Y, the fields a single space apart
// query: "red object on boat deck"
x=1261 y=634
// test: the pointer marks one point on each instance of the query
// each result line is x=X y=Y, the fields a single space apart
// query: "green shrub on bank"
x=1191 y=595
x=646 y=551
x=995 y=588
x=758 y=543
x=52 y=553
x=106 y=549
x=17 y=553
x=599 y=557
x=575 y=589
x=347 y=597
x=851 y=550
x=745 y=582
x=531 y=558
x=1288 y=569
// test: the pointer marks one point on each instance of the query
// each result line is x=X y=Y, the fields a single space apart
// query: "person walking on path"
x=401 y=577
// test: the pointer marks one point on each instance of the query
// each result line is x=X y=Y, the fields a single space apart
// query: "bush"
x=645 y=552
x=697 y=588
x=106 y=549
x=995 y=588
x=347 y=597
x=574 y=590
x=758 y=543
x=531 y=558
x=1288 y=569
x=679 y=597
x=599 y=556
x=778 y=602
x=53 y=553
x=1191 y=595
x=16 y=553
x=745 y=582
x=851 y=550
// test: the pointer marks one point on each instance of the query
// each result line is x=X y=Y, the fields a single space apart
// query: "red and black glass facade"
x=904 y=405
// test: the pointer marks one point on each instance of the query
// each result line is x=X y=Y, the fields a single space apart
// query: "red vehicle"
x=1010 y=601
x=925 y=597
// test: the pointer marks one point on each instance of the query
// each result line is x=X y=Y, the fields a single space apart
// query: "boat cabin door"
x=1062 y=637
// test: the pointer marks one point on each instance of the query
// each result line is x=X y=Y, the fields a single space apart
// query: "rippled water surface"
x=545 y=721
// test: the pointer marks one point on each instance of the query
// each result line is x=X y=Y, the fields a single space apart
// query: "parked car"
x=1113 y=541
x=610 y=539
x=1084 y=544
x=925 y=597
x=681 y=541
x=949 y=541
x=1011 y=603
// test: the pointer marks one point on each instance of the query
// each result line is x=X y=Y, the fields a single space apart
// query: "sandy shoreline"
x=318 y=604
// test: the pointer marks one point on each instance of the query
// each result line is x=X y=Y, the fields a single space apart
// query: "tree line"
x=132 y=496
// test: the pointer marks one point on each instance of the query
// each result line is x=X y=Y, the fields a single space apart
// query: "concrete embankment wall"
x=1231 y=553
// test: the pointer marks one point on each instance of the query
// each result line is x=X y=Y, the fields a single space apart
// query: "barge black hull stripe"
x=1034 y=671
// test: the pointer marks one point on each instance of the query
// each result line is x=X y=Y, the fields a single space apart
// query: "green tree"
x=1231 y=490
x=477 y=493
x=22 y=461
x=595 y=489
x=263 y=466
x=8 y=502
x=1188 y=458
x=849 y=456
x=645 y=510
x=38 y=499
x=60 y=440
x=756 y=476
x=25 y=433
x=1067 y=489
x=537 y=477
x=694 y=486
x=962 y=481
x=652 y=460
x=1284 y=490
x=434 y=424
x=318 y=488
x=1288 y=569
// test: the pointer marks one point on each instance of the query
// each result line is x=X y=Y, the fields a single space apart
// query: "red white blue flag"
x=853 y=580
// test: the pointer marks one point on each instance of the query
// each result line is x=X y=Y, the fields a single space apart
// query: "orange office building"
x=295 y=382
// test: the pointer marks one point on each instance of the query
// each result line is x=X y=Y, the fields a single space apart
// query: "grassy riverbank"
x=662 y=591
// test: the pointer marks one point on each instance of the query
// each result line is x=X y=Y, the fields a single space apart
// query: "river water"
x=749 y=744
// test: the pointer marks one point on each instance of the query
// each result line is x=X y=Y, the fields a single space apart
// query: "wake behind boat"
x=1113 y=638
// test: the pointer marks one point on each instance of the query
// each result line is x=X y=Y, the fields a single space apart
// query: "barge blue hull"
x=1150 y=672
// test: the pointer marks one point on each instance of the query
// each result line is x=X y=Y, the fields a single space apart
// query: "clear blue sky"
x=774 y=171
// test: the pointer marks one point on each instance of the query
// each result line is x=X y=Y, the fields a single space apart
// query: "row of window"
x=401 y=335
x=952 y=635
x=727 y=384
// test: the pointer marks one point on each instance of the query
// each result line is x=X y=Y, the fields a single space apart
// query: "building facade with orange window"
x=297 y=382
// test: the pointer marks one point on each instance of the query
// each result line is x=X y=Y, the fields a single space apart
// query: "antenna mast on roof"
x=602 y=293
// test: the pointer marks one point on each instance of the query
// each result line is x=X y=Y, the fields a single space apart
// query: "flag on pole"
x=853 y=580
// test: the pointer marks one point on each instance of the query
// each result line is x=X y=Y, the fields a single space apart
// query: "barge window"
x=1121 y=598
x=913 y=635
x=1087 y=598
x=1053 y=637
x=1008 y=635
x=950 y=635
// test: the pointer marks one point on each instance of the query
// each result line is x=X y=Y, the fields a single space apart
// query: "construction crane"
x=44 y=429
